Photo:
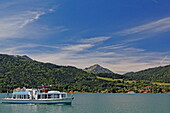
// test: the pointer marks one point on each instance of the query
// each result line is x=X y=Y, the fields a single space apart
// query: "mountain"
x=157 y=74
x=100 y=71
x=96 y=69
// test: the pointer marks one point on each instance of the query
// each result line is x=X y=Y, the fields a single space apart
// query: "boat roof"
x=55 y=92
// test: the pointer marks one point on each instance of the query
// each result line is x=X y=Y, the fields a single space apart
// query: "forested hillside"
x=16 y=71
x=158 y=74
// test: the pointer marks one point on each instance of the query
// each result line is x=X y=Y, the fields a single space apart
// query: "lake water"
x=99 y=103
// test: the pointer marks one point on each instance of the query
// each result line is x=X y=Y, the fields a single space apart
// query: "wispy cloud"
x=161 y=25
x=17 y=49
x=113 y=47
x=77 y=48
x=11 y=26
x=163 y=60
x=95 y=39
x=84 y=44
x=21 y=48
x=25 y=48
x=28 y=17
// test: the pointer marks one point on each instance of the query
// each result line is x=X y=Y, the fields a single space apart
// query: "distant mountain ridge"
x=96 y=69
x=158 y=74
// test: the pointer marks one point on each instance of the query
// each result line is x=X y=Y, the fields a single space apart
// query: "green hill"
x=18 y=71
x=158 y=74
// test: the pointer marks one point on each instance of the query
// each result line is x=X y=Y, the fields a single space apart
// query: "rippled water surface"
x=99 y=103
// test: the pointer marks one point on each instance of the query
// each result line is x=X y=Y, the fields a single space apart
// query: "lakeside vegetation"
x=108 y=79
x=138 y=86
x=113 y=80
x=17 y=71
x=159 y=83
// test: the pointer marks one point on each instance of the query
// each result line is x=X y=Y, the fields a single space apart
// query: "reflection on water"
x=31 y=108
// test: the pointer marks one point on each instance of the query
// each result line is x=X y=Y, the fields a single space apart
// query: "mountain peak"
x=96 y=68
x=97 y=65
x=25 y=57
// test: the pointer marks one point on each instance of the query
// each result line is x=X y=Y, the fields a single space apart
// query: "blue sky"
x=122 y=35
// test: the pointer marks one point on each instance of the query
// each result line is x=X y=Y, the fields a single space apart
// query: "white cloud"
x=12 y=26
x=22 y=25
x=161 y=25
x=29 y=17
x=15 y=49
x=51 y=10
x=21 y=48
x=133 y=49
x=96 y=39
x=78 y=47
x=85 y=44
x=164 y=60
x=113 y=47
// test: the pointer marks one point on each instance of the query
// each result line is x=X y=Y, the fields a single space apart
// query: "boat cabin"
x=36 y=94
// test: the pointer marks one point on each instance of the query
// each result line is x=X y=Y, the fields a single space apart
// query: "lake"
x=99 y=103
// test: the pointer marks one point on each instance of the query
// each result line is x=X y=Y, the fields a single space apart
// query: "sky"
x=121 y=35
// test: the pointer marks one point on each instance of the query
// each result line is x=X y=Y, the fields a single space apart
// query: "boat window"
x=50 y=96
x=56 y=95
x=25 y=96
x=39 y=96
x=19 y=96
x=28 y=96
x=44 y=96
x=63 y=95
x=53 y=95
x=14 y=96
x=22 y=96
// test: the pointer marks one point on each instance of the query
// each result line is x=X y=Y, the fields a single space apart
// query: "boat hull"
x=66 y=101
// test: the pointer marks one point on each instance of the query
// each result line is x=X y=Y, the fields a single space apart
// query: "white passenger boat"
x=38 y=96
